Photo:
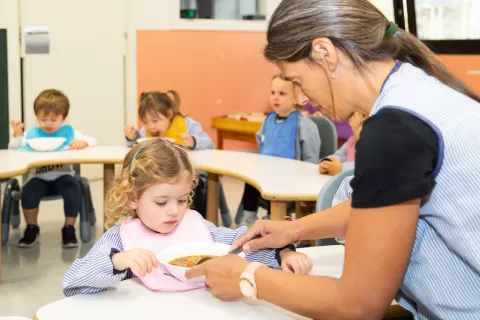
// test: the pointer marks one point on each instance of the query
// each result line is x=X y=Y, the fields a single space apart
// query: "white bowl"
x=45 y=144
x=190 y=249
x=140 y=140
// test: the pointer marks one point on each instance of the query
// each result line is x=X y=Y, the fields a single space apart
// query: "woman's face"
x=312 y=84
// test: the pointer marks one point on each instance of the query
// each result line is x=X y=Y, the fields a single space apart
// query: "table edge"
x=40 y=163
x=251 y=181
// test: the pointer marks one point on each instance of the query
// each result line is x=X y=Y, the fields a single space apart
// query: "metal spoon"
x=202 y=260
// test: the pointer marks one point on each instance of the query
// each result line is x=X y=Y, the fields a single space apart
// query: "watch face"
x=246 y=288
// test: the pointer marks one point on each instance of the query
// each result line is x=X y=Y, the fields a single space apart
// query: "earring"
x=333 y=76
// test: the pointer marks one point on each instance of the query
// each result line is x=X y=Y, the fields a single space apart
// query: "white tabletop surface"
x=276 y=178
x=131 y=300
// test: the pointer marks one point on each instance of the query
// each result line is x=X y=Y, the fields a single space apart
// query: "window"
x=223 y=9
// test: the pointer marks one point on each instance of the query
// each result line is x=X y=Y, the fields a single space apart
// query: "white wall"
x=386 y=6
x=9 y=19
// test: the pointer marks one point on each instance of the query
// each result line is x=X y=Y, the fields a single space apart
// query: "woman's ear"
x=325 y=53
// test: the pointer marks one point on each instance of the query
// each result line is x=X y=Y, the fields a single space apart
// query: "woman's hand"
x=331 y=167
x=222 y=274
x=295 y=262
x=139 y=260
x=272 y=234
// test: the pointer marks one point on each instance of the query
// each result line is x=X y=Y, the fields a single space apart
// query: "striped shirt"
x=442 y=280
x=95 y=271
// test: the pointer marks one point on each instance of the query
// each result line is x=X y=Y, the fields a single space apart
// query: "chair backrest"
x=326 y=195
x=328 y=135
x=325 y=199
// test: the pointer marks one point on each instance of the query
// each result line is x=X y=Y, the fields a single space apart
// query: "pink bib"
x=135 y=235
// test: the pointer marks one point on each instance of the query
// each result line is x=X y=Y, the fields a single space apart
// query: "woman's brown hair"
x=149 y=163
x=357 y=28
x=164 y=103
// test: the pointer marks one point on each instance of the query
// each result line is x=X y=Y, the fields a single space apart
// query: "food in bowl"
x=171 y=253
x=45 y=144
x=189 y=261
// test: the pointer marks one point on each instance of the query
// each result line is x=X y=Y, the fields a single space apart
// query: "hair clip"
x=135 y=155
x=392 y=28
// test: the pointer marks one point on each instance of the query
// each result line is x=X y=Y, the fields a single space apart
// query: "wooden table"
x=233 y=129
x=131 y=300
x=244 y=130
x=279 y=180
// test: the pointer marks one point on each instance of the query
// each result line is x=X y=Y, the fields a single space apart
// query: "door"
x=85 y=61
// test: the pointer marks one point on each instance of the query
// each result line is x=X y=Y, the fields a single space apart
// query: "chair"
x=11 y=207
x=328 y=135
x=325 y=199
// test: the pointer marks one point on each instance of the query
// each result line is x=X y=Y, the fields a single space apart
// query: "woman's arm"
x=228 y=236
x=379 y=244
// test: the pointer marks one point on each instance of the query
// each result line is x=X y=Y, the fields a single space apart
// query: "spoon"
x=202 y=260
x=235 y=251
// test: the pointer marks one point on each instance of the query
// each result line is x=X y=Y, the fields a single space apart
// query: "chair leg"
x=8 y=207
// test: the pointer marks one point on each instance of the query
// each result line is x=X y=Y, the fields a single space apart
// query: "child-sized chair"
x=329 y=144
x=11 y=207
x=325 y=199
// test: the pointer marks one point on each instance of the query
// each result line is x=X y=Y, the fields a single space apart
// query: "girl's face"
x=162 y=207
x=282 y=100
x=156 y=123
x=312 y=84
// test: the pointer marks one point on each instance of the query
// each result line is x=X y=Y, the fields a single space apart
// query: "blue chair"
x=325 y=199
x=11 y=207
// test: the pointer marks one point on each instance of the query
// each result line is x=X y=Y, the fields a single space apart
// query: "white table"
x=131 y=300
x=279 y=180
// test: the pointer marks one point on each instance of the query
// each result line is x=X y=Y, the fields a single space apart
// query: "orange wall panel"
x=460 y=65
x=215 y=72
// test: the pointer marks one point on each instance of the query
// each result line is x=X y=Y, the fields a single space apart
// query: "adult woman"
x=413 y=220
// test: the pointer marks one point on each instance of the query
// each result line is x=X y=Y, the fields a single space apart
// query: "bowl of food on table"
x=178 y=259
x=45 y=144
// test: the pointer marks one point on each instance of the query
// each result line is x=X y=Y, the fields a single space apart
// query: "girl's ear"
x=133 y=204
x=170 y=114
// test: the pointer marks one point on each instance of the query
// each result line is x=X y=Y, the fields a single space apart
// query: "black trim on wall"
x=441 y=46
x=399 y=13
x=4 y=126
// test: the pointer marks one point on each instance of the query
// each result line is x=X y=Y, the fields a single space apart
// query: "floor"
x=32 y=277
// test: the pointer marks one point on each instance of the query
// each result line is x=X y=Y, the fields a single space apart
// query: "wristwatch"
x=248 y=287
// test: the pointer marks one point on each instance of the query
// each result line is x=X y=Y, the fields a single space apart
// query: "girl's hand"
x=295 y=262
x=187 y=140
x=139 y=260
x=332 y=167
x=17 y=127
x=78 y=144
x=130 y=132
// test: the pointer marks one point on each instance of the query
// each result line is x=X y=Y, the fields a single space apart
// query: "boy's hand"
x=139 y=260
x=78 y=144
x=332 y=167
x=295 y=262
x=17 y=127
x=130 y=132
x=187 y=140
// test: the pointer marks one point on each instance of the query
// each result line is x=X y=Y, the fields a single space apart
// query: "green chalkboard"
x=3 y=90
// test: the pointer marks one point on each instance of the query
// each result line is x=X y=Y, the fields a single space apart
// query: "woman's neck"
x=369 y=84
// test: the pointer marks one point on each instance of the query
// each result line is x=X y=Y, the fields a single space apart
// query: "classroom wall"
x=216 y=65
x=216 y=73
